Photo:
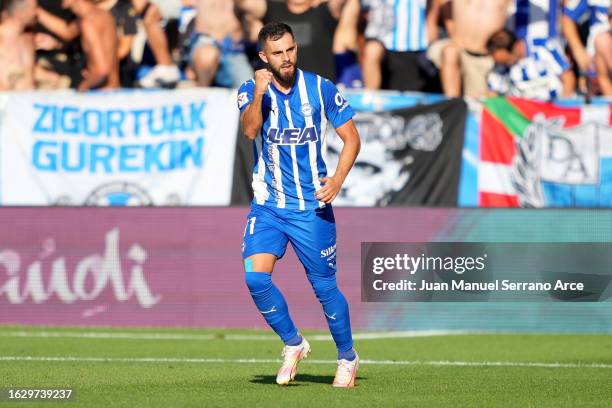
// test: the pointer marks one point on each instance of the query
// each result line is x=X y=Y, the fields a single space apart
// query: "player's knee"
x=257 y=281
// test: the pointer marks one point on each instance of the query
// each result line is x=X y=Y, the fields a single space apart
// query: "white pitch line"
x=268 y=361
x=411 y=334
x=232 y=337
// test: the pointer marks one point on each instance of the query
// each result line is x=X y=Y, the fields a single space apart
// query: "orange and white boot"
x=346 y=373
x=291 y=357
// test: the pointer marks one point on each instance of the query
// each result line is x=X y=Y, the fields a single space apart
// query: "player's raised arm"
x=250 y=102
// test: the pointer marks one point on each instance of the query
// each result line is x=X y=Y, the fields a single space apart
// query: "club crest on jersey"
x=292 y=136
x=306 y=110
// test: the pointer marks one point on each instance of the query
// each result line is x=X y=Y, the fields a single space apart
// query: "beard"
x=287 y=78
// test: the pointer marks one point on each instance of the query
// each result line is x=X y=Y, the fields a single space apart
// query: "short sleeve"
x=337 y=108
x=575 y=9
x=245 y=94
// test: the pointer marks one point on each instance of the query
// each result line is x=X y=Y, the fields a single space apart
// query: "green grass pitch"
x=201 y=368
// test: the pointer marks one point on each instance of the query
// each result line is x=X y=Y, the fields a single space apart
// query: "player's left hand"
x=330 y=189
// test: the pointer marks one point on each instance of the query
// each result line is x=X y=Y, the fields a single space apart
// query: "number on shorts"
x=251 y=228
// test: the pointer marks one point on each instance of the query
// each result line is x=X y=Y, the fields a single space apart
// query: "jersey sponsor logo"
x=292 y=136
x=338 y=99
x=341 y=102
x=243 y=98
x=328 y=251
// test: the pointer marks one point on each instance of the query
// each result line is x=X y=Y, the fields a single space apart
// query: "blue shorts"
x=312 y=234
x=234 y=68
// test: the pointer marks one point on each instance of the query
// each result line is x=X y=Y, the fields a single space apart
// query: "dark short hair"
x=273 y=31
x=502 y=40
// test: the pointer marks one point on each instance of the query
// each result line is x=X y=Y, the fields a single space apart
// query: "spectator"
x=530 y=77
x=59 y=58
x=397 y=36
x=313 y=23
x=165 y=74
x=597 y=55
x=463 y=60
x=501 y=47
x=99 y=42
x=125 y=18
x=537 y=25
x=216 y=48
x=345 y=46
x=17 y=57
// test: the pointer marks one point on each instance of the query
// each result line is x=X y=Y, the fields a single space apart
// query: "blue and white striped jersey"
x=535 y=19
x=595 y=10
x=400 y=25
x=290 y=149
x=531 y=77
x=538 y=23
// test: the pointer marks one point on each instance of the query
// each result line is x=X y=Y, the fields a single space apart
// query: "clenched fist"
x=263 y=77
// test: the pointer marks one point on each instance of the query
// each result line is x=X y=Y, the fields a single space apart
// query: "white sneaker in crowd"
x=161 y=76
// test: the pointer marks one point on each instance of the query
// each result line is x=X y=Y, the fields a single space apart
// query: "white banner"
x=118 y=148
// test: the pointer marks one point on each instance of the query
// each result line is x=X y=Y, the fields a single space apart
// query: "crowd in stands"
x=534 y=48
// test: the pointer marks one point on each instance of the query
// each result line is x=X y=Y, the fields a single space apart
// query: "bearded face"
x=281 y=56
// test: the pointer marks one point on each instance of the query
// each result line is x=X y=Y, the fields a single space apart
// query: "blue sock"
x=294 y=341
x=335 y=308
x=271 y=305
x=347 y=355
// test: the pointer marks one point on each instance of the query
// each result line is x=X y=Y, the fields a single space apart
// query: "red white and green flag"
x=535 y=154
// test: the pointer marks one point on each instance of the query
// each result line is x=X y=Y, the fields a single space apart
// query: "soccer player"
x=286 y=111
